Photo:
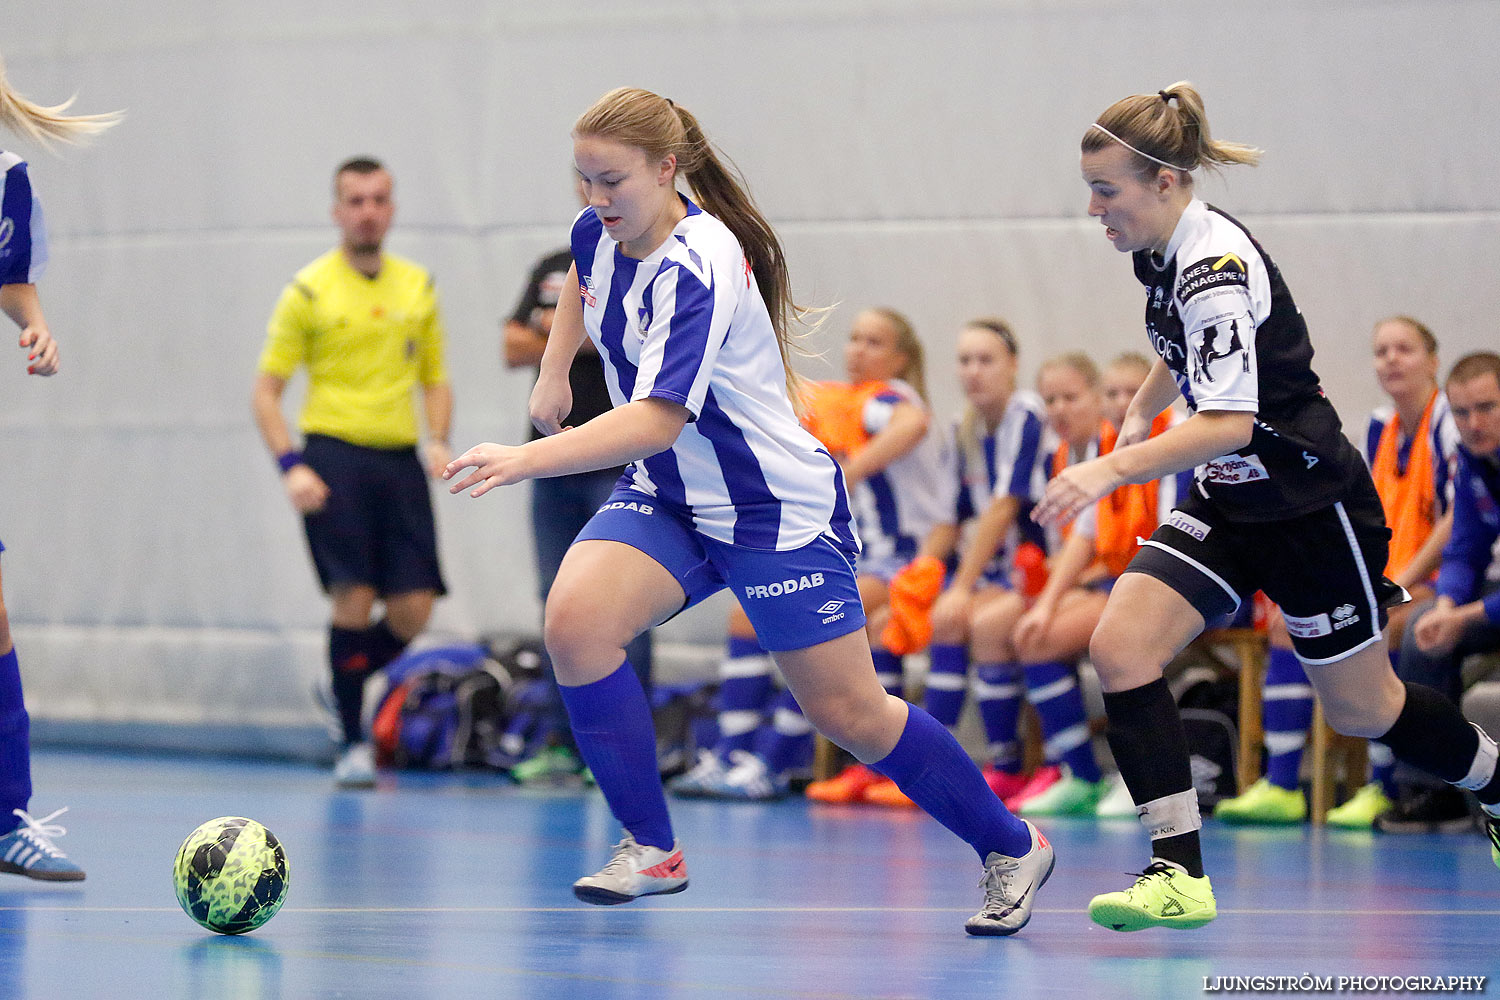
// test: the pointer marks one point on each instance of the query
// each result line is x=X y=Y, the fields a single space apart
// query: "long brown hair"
x=1160 y=133
x=650 y=122
x=971 y=427
x=42 y=123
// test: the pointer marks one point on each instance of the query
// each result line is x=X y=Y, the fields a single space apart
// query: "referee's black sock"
x=1150 y=748
x=349 y=659
x=1431 y=733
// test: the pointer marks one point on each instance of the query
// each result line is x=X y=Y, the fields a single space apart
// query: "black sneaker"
x=1435 y=809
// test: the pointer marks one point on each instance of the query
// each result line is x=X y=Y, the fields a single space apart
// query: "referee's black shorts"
x=1324 y=569
x=377 y=527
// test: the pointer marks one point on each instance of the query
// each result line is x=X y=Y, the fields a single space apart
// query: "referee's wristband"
x=287 y=459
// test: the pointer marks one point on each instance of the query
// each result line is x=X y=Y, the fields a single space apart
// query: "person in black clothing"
x=1281 y=502
x=562 y=505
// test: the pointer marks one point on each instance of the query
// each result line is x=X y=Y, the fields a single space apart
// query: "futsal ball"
x=230 y=875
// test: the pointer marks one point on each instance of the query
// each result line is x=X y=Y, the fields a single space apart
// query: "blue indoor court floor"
x=454 y=886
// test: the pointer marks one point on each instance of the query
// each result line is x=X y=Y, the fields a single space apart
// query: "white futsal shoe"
x=1010 y=887
x=635 y=870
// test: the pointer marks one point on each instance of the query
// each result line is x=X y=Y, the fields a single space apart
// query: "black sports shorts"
x=1324 y=569
x=377 y=527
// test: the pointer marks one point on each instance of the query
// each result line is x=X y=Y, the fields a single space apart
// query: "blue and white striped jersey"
x=23 y=235
x=1012 y=460
x=688 y=324
x=896 y=507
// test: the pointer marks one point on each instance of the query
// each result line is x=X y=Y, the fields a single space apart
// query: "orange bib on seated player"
x=1129 y=512
x=1410 y=500
x=914 y=590
x=834 y=413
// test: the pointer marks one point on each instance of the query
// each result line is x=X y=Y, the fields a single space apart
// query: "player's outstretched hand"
x=41 y=350
x=1073 y=489
x=493 y=465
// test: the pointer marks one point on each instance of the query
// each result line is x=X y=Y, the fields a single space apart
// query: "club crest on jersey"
x=1211 y=273
x=586 y=290
x=782 y=587
x=1215 y=344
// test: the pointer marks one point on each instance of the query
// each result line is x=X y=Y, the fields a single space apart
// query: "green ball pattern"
x=230 y=875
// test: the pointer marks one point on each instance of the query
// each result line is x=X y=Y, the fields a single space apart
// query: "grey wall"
x=921 y=155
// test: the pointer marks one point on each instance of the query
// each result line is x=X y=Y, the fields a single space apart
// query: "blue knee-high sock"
x=611 y=721
x=786 y=743
x=928 y=764
x=15 y=744
x=945 y=683
x=745 y=689
x=888 y=671
x=1053 y=690
x=1287 y=714
x=1383 y=768
x=997 y=688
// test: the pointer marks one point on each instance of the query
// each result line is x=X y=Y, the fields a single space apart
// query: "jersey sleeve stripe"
x=21 y=232
x=685 y=360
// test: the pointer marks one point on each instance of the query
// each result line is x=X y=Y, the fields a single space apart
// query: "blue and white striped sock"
x=1053 y=690
x=1287 y=713
x=945 y=683
x=745 y=689
x=997 y=689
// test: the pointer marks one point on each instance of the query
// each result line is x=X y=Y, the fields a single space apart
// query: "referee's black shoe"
x=1434 y=809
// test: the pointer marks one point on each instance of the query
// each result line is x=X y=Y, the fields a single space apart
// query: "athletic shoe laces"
x=38 y=833
x=623 y=863
x=998 y=894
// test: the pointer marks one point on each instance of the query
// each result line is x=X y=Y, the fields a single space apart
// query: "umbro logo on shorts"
x=830 y=607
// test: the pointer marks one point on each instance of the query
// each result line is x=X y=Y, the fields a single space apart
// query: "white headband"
x=1137 y=152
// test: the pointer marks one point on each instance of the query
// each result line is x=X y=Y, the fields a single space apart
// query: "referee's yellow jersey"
x=367 y=343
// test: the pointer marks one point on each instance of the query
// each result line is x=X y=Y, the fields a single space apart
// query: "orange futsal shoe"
x=847 y=786
x=886 y=793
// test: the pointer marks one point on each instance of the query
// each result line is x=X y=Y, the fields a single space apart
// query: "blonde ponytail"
x=44 y=124
x=1163 y=135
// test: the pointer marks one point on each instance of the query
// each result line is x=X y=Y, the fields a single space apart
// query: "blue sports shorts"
x=795 y=599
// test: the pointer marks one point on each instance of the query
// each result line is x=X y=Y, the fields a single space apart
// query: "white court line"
x=732 y=909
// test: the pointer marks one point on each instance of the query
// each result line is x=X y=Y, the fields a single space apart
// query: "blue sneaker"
x=28 y=850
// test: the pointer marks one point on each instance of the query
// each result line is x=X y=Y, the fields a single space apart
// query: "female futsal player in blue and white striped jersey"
x=26 y=846
x=690 y=309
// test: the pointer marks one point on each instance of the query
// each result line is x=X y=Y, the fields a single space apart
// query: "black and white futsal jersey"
x=1220 y=316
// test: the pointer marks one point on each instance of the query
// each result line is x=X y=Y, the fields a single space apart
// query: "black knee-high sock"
x=1150 y=748
x=383 y=645
x=1431 y=733
x=349 y=659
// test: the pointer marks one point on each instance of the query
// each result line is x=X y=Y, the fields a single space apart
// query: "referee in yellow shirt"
x=366 y=326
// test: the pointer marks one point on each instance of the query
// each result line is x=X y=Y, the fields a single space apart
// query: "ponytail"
x=1162 y=134
x=44 y=124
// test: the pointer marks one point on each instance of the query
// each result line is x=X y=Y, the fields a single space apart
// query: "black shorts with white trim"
x=1323 y=569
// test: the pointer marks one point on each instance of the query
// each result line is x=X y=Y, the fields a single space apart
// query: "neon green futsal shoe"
x=1360 y=811
x=1163 y=896
x=1265 y=803
x=1492 y=827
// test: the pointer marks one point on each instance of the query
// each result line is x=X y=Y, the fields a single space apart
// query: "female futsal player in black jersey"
x=1282 y=502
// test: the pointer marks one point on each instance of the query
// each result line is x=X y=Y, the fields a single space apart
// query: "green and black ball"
x=231 y=875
